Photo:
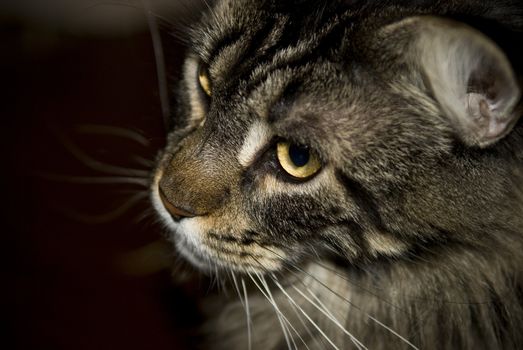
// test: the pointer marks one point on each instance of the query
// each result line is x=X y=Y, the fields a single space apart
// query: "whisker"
x=148 y=213
x=222 y=283
x=245 y=306
x=388 y=301
x=359 y=309
x=393 y=332
x=299 y=317
x=125 y=4
x=109 y=3
x=277 y=311
x=264 y=282
x=97 y=165
x=213 y=276
x=217 y=281
x=104 y=218
x=170 y=25
x=181 y=271
x=345 y=278
x=211 y=10
x=306 y=315
x=147 y=163
x=345 y=299
x=304 y=324
x=95 y=180
x=113 y=131
x=161 y=72
x=279 y=314
x=274 y=279
x=324 y=310
x=236 y=286
x=248 y=315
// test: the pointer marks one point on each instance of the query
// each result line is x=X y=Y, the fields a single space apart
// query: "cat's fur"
x=411 y=235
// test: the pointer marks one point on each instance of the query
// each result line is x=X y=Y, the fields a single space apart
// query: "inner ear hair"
x=469 y=76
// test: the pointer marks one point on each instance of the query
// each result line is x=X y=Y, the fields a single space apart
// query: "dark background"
x=78 y=79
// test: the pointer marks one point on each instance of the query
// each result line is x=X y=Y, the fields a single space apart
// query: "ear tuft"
x=470 y=77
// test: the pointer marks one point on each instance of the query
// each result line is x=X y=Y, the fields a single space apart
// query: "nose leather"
x=173 y=210
x=196 y=181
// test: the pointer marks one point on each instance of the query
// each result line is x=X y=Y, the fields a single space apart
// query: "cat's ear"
x=470 y=77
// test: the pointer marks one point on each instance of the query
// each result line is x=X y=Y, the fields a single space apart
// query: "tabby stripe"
x=247 y=239
x=312 y=51
x=226 y=41
x=221 y=250
x=364 y=200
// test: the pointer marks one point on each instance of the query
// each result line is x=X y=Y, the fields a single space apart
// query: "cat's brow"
x=223 y=43
x=257 y=137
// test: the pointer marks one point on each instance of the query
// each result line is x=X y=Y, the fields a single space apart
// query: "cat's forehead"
x=298 y=71
x=227 y=21
x=222 y=23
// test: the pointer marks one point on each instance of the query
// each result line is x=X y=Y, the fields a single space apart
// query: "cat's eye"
x=205 y=80
x=298 y=161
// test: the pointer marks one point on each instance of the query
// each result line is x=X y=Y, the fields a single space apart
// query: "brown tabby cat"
x=356 y=169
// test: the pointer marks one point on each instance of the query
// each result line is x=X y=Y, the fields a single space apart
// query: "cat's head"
x=321 y=129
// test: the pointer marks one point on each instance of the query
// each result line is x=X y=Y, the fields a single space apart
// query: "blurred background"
x=82 y=107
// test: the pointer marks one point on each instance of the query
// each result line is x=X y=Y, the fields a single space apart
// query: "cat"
x=354 y=169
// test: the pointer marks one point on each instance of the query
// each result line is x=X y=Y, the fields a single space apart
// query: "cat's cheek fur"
x=270 y=185
x=195 y=241
x=347 y=224
x=214 y=241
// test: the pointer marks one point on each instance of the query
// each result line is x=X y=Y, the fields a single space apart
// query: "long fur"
x=411 y=235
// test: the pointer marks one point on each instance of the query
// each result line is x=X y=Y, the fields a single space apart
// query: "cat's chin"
x=209 y=264
x=198 y=260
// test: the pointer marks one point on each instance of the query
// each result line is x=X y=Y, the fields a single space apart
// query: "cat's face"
x=303 y=133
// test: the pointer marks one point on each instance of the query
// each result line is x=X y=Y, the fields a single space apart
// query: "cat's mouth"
x=209 y=244
x=211 y=254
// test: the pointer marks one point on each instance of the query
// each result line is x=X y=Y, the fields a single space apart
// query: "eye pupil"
x=297 y=161
x=299 y=155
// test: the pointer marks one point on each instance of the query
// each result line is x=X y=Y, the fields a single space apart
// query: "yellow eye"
x=204 y=80
x=298 y=161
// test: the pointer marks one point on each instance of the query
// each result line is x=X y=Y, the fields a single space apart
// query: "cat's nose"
x=177 y=213
x=197 y=180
